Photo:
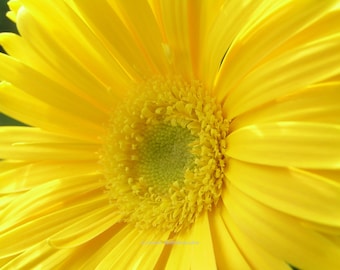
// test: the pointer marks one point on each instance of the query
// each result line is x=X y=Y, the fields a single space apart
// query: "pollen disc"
x=164 y=155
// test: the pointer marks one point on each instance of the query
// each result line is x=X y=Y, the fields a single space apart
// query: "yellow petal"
x=70 y=76
x=203 y=255
x=228 y=254
x=191 y=29
x=14 y=5
x=6 y=199
x=148 y=254
x=317 y=103
x=39 y=256
x=126 y=244
x=73 y=78
x=180 y=253
x=297 y=144
x=291 y=71
x=325 y=23
x=330 y=231
x=6 y=165
x=104 y=21
x=26 y=176
x=47 y=197
x=94 y=251
x=18 y=47
x=43 y=25
x=255 y=255
x=269 y=28
x=280 y=234
x=86 y=228
x=35 y=84
x=292 y=191
x=26 y=143
x=31 y=111
x=177 y=31
x=4 y=261
x=17 y=239
x=230 y=18
x=333 y=175
x=139 y=19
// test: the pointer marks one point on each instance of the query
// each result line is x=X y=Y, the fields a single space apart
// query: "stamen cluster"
x=166 y=114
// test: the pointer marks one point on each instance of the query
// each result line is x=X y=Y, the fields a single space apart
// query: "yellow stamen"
x=164 y=156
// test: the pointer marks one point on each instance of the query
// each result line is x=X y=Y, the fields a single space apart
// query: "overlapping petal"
x=46 y=198
x=272 y=65
x=35 y=112
x=280 y=188
x=23 y=176
x=113 y=34
x=285 y=144
x=280 y=234
x=316 y=103
x=15 y=240
x=33 y=144
x=269 y=29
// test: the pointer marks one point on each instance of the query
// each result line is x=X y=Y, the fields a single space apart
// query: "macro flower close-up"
x=171 y=134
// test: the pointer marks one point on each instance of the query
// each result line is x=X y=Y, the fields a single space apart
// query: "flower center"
x=164 y=155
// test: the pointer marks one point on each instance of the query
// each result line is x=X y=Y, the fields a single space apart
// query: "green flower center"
x=165 y=155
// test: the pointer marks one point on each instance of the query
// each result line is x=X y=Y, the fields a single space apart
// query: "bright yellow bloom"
x=171 y=134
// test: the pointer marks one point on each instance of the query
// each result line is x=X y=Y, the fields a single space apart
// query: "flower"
x=171 y=135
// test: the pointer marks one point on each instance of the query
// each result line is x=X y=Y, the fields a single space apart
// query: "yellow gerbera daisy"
x=171 y=134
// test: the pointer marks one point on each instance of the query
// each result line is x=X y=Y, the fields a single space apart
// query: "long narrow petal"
x=86 y=228
x=219 y=33
x=83 y=51
x=255 y=255
x=181 y=252
x=291 y=71
x=19 y=48
x=16 y=240
x=25 y=176
x=292 y=191
x=228 y=255
x=149 y=252
x=6 y=199
x=317 y=103
x=280 y=234
x=14 y=6
x=38 y=256
x=35 y=112
x=177 y=33
x=35 y=83
x=297 y=144
x=125 y=241
x=274 y=28
x=95 y=250
x=46 y=198
x=141 y=22
x=104 y=22
x=333 y=175
x=27 y=143
x=203 y=251
x=128 y=242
